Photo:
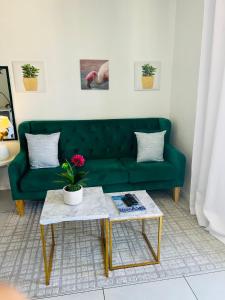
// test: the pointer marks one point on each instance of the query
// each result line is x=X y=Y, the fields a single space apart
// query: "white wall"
x=4 y=182
x=187 y=44
x=60 y=32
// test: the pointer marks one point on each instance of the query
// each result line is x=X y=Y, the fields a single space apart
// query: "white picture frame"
x=139 y=84
x=21 y=86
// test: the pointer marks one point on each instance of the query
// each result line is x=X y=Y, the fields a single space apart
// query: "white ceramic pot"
x=73 y=198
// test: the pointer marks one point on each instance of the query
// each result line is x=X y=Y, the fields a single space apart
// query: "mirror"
x=6 y=104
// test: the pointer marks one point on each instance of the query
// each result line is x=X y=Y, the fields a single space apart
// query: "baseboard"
x=4 y=187
x=185 y=194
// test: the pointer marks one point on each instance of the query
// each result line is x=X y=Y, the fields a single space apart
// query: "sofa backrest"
x=94 y=139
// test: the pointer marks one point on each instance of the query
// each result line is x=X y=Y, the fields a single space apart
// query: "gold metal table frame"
x=107 y=245
x=49 y=261
x=156 y=254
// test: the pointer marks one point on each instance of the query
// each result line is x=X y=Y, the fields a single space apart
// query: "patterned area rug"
x=78 y=266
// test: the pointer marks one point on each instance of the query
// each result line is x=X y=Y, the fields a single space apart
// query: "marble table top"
x=92 y=207
x=95 y=205
x=151 y=211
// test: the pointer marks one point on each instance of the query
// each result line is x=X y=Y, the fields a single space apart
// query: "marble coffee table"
x=93 y=207
x=152 y=212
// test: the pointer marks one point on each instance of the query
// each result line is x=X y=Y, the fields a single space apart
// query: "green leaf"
x=67 y=177
x=29 y=71
x=148 y=70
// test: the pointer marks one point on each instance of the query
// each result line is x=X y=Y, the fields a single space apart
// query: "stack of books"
x=124 y=208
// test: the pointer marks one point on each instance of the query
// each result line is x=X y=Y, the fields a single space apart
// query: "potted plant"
x=73 y=191
x=30 y=74
x=148 y=73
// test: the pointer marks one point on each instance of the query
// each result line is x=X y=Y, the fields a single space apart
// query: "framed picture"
x=29 y=76
x=6 y=102
x=147 y=75
x=94 y=74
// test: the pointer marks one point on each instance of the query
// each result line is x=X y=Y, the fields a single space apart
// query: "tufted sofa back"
x=96 y=138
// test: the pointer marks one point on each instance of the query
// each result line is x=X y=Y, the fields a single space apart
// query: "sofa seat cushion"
x=100 y=172
x=38 y=180
x=148 y=171
x=105 y=171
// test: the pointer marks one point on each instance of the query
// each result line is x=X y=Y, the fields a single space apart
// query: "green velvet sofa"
x=110 y=148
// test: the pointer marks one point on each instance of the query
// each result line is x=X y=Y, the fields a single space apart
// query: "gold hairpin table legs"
x=105 y=243
x=47 y=262
x=107 y=247
x=156 y=254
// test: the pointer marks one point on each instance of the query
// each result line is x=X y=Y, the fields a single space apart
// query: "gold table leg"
x=110 y=245
x=105 y=243
x=47 y=263
x=143 y=225
x=160 y=223
x=145 y=263
x=106 y=247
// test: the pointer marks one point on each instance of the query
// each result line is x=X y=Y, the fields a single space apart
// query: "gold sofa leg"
x=176 y=194
x=20 y=207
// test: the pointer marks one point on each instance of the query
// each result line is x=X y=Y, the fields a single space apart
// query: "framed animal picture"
x=94 y=74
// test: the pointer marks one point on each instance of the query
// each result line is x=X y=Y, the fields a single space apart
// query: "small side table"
x=152 y=212
x=6 y=162
x=55 y=211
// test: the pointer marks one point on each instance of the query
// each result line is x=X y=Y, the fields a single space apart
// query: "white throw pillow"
x=43 y=150
x=150 y=146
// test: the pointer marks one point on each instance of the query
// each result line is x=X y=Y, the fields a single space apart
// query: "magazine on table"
x=123 y=208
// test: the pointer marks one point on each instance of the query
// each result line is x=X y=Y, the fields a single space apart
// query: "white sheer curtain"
x=208 y=165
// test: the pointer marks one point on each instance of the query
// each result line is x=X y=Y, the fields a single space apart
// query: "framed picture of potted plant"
x=147 y=75
x=29 y=76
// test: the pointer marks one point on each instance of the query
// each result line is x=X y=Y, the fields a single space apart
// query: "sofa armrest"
x=17 y=169
x=177 y=158
x=165 y=124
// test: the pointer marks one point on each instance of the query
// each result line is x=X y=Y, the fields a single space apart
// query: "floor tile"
x=6 y=202
x=173 y=289
x=3 y=218
x=208 y=286
x=94 y=295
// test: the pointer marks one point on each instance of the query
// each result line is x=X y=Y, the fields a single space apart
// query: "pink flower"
x=78 y=160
